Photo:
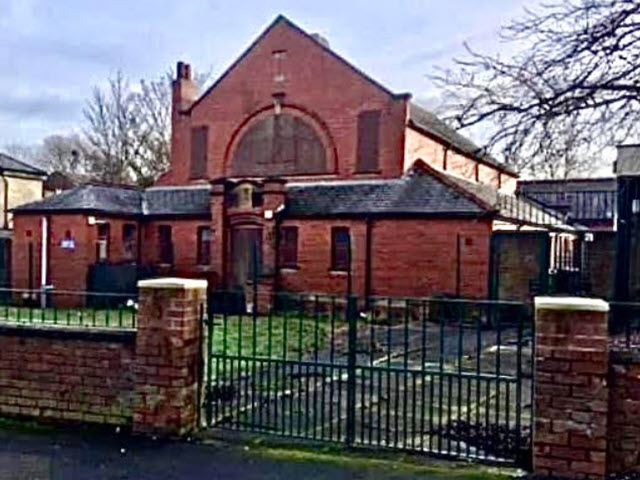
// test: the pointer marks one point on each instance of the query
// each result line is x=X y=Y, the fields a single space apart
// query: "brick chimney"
x=184 y=93
x=185 y=90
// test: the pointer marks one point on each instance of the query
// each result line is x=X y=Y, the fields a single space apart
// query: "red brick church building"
x=299 y=156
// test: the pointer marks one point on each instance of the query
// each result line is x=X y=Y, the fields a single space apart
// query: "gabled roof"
x=282 y=19
x=10 y=164
x=416 y=193
x=426 y=121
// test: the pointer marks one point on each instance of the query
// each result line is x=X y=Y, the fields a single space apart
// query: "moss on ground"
x=388 y=464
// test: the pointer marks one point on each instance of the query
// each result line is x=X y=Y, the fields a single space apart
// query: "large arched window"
x=279 y=145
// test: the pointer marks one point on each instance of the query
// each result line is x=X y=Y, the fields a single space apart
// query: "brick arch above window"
x=290 y=142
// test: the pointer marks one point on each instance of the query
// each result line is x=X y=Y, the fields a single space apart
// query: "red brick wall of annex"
x=412 y=257
x=68 y=268
x=26 y=230
x=66 y=379
x=418 y=257
x=433 y=152
x=315 y=81
x=184 y=234
x=314 y=273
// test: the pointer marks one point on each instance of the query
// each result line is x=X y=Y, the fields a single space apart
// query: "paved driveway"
x=72 y=455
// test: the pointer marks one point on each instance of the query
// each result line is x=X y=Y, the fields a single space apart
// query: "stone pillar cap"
x=571 y=304
x=172 y=282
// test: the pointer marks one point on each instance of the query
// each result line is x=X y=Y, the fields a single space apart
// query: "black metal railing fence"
x=443 y=376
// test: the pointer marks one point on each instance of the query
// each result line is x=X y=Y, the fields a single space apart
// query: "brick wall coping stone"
x=175 y=283
x=70 y=332
x=571 y=304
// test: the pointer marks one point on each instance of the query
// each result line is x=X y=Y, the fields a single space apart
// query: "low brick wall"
x=67 y=374
x=146 y=378
x=624 y=411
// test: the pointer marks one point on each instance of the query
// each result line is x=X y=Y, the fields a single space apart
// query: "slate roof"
x=416 y=193
x=513 y=208
x=11 y=164
x=422 y=191
x=124 y=201
x=90 y=198
x=176 y=201
x=425 y=120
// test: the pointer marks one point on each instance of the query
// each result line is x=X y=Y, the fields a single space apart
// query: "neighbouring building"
x=19 y=183
x=593 y=203
x=610 y=209
x=297 y=169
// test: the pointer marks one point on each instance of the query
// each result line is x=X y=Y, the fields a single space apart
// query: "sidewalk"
x=54 y=455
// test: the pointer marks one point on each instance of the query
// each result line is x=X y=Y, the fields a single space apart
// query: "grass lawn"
x=272 y=336
x=84 y=317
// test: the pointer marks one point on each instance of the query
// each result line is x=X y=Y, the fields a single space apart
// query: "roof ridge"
x=444 y=178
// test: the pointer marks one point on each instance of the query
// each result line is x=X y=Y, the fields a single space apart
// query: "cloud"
x=38 y=105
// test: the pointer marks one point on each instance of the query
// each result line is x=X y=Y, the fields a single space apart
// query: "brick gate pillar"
x=167 y=361
x=571 y=392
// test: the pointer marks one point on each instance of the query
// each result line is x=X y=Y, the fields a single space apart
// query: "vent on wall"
x=321 y=40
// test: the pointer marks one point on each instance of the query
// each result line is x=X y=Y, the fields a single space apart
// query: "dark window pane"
x=199 y=152
x=102 y=243
x=204 y=245
x=279 y=145
x=129 y=239
x=289 y=247
x=340 y=248
x=368 y=141
x=165 y=244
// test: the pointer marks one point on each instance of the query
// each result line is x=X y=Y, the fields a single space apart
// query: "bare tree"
x=129 y=129
x=113 y=132
x=68 y=154
x=23 y=151
x=572 y=88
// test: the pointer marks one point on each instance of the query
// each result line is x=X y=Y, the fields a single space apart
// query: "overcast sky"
x=54 y=51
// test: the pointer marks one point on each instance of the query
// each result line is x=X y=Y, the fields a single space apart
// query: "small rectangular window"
x=340 y=249
x=199 y=138
x=289 y=247
x=204 y=245
x=165 y=244
x=368 y=141
x=102 y=243
x=129 y=240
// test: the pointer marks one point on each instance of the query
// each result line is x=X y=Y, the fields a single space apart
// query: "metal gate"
x=441 y=376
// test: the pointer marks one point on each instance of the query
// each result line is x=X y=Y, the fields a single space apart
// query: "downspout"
x=458 y=272
x=6 y=200
x=367 y=264
x=225 y=241
x=139 y=246
x=44 y=263
x=276 y=272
